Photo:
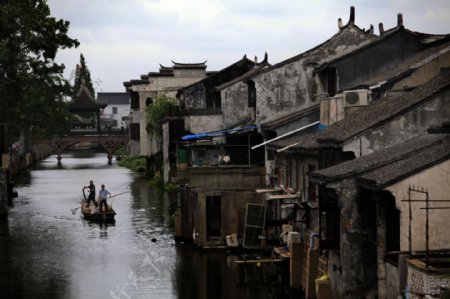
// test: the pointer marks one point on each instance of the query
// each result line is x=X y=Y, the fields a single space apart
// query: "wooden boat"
x=92 y=212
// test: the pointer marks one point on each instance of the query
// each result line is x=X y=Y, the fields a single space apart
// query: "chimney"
x=399 y=20
x=352 y=14
x=340 y=25
x=256 y=59
x=371 y=29
x=381 y=28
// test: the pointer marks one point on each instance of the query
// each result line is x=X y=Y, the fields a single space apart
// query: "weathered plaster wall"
x=235 y=104
x=356 y=259
x=133 y=147
x=147 y=145
x=171 y=84
x=188 y=74
x=437 y=181
x=203 y=123
x=282 y=91
x=292 y=85
x=234 y=201
x=407 y=126
x=156 y=86
x=225 y=177
x=195 y=97
x=392 y=287
x=233 y=208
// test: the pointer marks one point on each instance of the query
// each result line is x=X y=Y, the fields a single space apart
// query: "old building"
x=381 y=199
x=222 y=172
x=294 y=84
x=85 y=111
x=353 y=123
x=145 y=90
x=390 y=120
x=115 y=114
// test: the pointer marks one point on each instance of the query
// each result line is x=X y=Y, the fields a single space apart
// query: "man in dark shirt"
x=91 y=196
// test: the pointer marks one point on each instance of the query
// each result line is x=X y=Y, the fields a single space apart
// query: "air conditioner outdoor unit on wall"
x=358 y=97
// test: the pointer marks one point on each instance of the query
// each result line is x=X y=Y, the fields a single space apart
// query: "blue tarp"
x=219 y=133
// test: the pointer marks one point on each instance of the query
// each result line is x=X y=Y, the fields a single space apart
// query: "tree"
x=154 y=114
x=83 y=73
x=29 y=41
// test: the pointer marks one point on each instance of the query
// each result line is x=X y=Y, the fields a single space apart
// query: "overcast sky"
x=122 y=39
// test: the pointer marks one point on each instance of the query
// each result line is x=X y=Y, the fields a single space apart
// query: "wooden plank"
x=267 y=190
x=282 y=196
x=282 y=252
x=258 y=261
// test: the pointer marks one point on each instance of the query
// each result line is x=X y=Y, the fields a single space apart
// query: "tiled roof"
x=245 y=76
x=199 y=65
x=384 y=109
x=406 y=67
x=390 y=165
x=368 y=117
x=233 y=71
x=84 y=101
x=320 y=51
x=270 y=125
x=307 y=137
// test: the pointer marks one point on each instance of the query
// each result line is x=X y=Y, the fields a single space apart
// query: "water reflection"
x=47 y=252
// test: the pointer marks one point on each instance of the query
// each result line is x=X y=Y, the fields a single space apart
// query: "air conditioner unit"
x=358 y=97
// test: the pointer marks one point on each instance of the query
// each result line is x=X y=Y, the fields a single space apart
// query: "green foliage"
x=83 y=73
x=169 y=187
x=29 y=41
x=135 y=163
x=120 y=151
x=155 y=113
x=155 y=181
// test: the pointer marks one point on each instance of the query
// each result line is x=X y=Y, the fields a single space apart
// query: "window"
x=134 y=100
x=213 y=99
x=114 y=110
x=329 y=220
x=331 y=81
x=312 y=188
x=135 y=131
x=251 y=94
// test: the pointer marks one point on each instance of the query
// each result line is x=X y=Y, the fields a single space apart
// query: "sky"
x=123 y=39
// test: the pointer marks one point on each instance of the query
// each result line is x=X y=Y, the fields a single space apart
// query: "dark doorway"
x=332 y=81
x=213 y=216
x=392 y=228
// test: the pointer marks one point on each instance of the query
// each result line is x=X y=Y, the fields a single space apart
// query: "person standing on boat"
x=91 y=196
x=103 y=195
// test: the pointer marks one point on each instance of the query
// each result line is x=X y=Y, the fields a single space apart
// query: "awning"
x=287 y=134
x=220 y=133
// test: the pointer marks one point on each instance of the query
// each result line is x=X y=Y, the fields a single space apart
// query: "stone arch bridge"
x=108 y=142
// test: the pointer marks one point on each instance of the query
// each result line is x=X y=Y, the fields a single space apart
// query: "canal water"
x=46 y=251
